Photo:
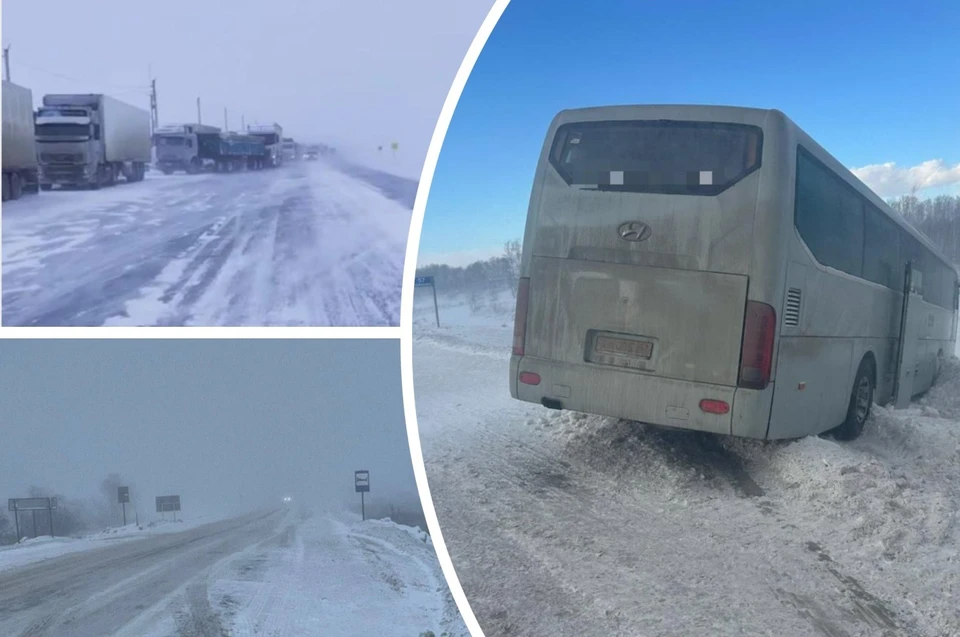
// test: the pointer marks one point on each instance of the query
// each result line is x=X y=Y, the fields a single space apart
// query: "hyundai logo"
x=634 y=231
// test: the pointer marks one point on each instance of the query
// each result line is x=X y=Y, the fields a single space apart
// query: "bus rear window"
x=656 y=156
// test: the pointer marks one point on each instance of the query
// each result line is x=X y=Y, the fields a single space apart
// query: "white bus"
x=715 y=269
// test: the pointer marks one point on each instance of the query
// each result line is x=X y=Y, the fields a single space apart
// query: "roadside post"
x=123 y=496
x=361 y=481
x=428 y=281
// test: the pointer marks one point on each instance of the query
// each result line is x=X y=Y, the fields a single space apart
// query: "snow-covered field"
x=272 y=574
x=43 y=548
x=568 y=524
x=313 y=243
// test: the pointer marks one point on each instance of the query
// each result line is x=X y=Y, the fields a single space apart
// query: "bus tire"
x=861 y=401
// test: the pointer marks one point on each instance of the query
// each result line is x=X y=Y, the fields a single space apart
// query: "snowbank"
x=335 y=575
x=44 y=548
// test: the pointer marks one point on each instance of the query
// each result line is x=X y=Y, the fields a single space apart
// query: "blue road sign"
x=423 y=280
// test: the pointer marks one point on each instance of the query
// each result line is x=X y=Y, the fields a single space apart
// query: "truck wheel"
x=16 y=186
x=861 y=400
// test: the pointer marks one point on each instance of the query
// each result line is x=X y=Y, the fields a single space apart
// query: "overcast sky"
x=228 y=425
x=358 y=74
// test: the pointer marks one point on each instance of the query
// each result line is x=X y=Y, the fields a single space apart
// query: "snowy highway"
x=278 y=573
x=98 y=592
x=560 y=523
x=317 y=243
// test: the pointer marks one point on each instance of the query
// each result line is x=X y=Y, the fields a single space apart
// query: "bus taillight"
x=520 y=318
x=756 y=356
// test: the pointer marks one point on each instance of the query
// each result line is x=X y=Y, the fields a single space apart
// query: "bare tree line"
x=937 y=217
x=494 y=274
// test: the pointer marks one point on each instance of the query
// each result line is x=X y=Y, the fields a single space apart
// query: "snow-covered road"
x=566 y=524
x=313 y=243
x=99 y=592
x=274 y=574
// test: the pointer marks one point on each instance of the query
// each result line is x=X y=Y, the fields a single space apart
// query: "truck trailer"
x=19 y=146
x=272 y=136
x=291 y=149
x=196 y=148
x=89 y=140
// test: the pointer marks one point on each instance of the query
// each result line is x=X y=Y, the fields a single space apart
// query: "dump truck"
x=195 y=148
x=272 y=136
x=19 y=146
x=90 y=140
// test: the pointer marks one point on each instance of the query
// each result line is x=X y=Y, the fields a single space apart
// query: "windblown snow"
x=570 y=524
x=318 y=243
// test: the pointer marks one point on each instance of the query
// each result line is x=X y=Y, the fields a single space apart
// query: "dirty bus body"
x=90 y=140
x=715 y=269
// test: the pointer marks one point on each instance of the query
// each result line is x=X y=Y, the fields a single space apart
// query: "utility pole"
x=243 y=125
x=6 y=61
x=199 y=117
x=154 y=117
x=226 y=128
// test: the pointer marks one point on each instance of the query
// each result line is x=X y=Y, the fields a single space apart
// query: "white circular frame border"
x=406 y=313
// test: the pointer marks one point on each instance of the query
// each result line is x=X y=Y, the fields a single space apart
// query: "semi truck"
x=19 y=146
x=272 y=136
x=291 y=150
x=90 y=140
x=195 y=148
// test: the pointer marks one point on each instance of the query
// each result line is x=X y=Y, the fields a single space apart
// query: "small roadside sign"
x=18 y=505
x=428 y=282
x=168 y=503
x=361 y=480
x=123 y=496
x=31 y=504
x=361 y=484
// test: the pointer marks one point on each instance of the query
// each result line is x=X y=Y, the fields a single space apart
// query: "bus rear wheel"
x=861 y=401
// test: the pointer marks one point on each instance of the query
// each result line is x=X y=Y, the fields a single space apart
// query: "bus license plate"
x=623 y=347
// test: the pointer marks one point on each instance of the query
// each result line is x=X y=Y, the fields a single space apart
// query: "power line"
x=125 y=87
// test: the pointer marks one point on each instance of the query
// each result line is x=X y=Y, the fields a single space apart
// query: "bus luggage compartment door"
x=909 y=341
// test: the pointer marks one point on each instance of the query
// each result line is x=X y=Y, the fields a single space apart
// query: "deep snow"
x=335 y=575
x=569 y=524
x=313 y=243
